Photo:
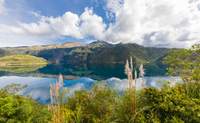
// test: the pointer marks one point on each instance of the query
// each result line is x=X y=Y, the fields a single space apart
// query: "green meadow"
x=21 y=63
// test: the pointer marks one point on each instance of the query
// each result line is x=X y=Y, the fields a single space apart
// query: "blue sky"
x=160 y=23
x=58 y=8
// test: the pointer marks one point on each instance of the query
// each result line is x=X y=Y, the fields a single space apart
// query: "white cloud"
x=156 y=23
x=66 y=25
x=51 y=28
x=91 y=25
x=2 y=8
x=148 y=22
x=114 y=5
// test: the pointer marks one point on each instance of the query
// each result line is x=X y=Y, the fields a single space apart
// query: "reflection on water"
x=21 y=69
x=38 y=87
x=76 y=78
x=95 y=71
x=98 y=72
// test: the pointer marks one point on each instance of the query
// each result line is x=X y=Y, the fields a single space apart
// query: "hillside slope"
x=103 y=53
x=96 y=53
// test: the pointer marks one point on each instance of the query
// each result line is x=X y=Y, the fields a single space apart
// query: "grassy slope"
x=21 y=60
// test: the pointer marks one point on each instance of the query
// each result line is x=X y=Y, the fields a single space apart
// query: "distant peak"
x=99 y=41
x=99 y=44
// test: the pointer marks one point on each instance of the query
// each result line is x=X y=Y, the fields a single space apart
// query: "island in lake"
x=21 y=63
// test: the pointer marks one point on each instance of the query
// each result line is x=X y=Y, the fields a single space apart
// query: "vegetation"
x=169 y=104
x=104 y=105
x=21 y=63
x=17 y=109
x=21 y=60
x=185 y=63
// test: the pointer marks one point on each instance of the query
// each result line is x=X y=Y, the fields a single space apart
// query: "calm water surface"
x=38 y=87
x=76 y=78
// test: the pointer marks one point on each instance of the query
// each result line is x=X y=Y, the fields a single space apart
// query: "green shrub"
x=96 y=105
x=176 y=104
x=17 y=109
x=170 y=104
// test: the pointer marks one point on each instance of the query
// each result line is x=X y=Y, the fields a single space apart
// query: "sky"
x=153 y=23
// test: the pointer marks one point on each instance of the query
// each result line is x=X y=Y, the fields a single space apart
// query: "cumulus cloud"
x=87 y=24
x=155 y=23
x=160 y=23
x=92 y=25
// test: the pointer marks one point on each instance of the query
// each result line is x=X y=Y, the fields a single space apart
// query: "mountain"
x=38 y=48
x=99 y=44
x=120 y=52
x=96 y=53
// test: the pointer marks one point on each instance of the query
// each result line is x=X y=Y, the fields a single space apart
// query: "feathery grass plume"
x=141 y=69
x=57 y=97
x=129 y=73
x=131 y=83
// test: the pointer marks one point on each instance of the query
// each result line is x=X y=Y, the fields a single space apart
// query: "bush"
x=178 y=104
x=166 y=105
x=17 y=109
x=170 y=104
x=96 y=105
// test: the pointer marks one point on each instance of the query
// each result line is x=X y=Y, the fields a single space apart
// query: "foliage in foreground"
x=178 y=104
x=171 y=104
x=104 y=105
x=17 y=109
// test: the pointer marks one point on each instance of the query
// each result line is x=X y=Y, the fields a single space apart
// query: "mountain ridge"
x=99 y=52
x=97 y=48
x=95 y=53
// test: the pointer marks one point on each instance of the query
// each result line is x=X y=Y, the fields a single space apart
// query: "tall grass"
x=57 y=98
x=131 y=84
x=132 y=81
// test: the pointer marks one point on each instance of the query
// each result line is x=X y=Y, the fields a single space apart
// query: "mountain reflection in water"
x=38 y=87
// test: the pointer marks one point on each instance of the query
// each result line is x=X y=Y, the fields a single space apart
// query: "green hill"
x=21 y=63
x=96 y=53
x=21 y=60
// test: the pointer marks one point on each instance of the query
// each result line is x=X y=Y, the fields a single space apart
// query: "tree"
x=185 y=63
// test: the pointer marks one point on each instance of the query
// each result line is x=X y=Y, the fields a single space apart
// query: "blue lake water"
x=76 y=78
x=38 y=86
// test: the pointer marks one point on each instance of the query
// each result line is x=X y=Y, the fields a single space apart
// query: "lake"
x=38 y=82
